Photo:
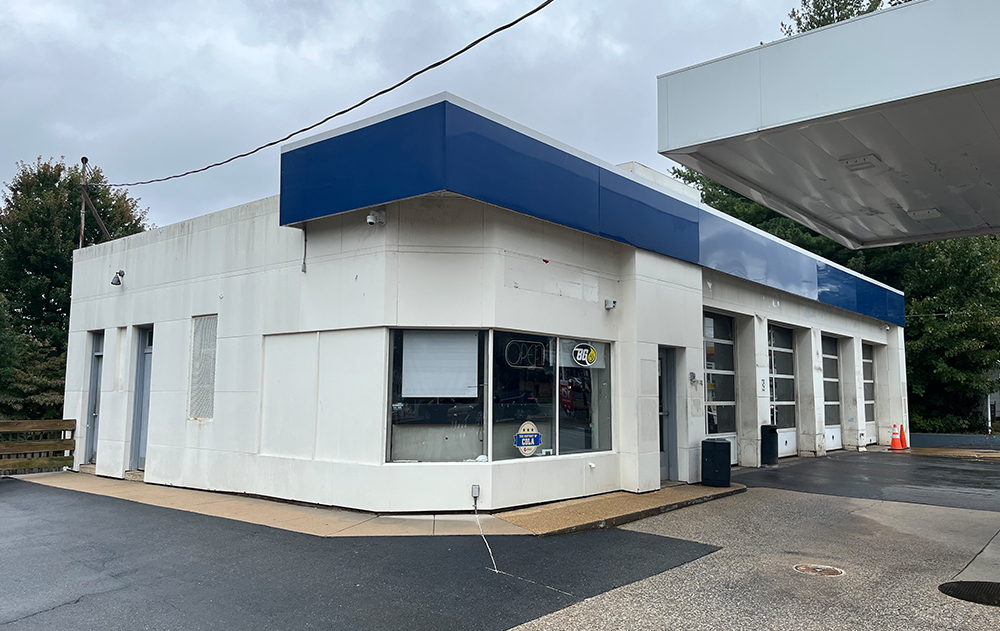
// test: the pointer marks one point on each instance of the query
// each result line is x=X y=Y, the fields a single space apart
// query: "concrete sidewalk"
x=587 y=513
x=310 y=520
x=612 y=509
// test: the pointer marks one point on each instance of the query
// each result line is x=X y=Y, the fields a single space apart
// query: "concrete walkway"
x=612 y=509
x=555 y=518
x=310 y=520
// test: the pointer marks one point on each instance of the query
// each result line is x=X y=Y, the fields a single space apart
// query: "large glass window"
x=720 y=374
x=781 y=358
x=584 y=396
x=436 y=396
x=524 y=395
x=868 y=370
x=550 y=395
x=831 y=381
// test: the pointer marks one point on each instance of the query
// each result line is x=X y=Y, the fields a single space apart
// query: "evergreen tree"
x=39 y=229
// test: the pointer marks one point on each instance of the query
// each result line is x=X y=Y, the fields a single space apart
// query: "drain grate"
x=981 y=592
x=818 y=570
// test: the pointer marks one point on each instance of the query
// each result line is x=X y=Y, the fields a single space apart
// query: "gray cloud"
x=148 y=89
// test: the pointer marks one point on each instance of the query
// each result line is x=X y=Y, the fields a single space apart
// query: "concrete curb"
x=619 y=520
x=611 y=509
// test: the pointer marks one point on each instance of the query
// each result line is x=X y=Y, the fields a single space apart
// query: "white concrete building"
x=441 y=298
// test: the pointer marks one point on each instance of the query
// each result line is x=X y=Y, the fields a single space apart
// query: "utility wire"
x=413 y=76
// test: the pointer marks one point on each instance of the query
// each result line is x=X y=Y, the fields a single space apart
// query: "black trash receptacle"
x=768 y=445
x=715 y=462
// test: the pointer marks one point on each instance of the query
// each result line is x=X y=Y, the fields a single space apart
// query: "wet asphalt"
x=896 y=477
x=898 y=524
x=70 y=560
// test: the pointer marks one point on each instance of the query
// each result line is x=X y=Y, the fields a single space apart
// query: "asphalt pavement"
x=898 y=525
x=828 y=511
x=897 y=477
x=77 y=561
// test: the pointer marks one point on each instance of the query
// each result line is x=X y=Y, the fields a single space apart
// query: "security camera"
x=376 y=218
x=371 y=220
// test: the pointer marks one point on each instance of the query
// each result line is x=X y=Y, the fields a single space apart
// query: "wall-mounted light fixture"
x=117 y=280
x=610 y=304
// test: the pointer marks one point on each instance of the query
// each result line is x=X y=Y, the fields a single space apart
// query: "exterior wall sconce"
x=117 y=280
x=610 y=304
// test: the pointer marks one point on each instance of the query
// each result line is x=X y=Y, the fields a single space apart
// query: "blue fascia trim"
x=444 y=146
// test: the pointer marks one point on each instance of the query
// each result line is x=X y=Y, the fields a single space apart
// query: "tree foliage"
x=39 y=229
x=815 y=14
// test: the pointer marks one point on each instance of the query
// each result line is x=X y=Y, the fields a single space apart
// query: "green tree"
x=953 y=332
x=815 y=14
x=39 y=229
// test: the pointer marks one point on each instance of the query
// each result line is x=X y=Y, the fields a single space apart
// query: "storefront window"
x=524 y=395
x=720 y=374
x=436 y=396
x=584 y=396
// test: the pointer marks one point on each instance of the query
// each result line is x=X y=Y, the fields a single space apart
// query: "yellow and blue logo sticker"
x=527 y=439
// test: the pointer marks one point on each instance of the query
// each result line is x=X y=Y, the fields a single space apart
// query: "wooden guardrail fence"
x=36 y=444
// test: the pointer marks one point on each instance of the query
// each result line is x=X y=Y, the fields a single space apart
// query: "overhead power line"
x=399 y=84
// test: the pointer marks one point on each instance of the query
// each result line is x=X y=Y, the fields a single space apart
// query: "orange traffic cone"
x=896 y=445
x=902 y=438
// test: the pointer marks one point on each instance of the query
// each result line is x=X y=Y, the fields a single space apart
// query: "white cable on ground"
x=475 y=508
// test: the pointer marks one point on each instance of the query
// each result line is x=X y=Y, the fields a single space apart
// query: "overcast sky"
x=148 y=89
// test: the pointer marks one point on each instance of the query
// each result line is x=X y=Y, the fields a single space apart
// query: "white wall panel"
x=288 y=422
x=351 y=409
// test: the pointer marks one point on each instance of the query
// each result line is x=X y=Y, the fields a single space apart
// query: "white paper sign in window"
x=440 y=364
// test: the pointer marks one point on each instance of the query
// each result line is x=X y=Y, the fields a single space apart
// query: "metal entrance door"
x=668 y=415
x=94 y=403
x=140 y=417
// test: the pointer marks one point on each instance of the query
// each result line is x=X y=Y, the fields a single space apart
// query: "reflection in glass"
x=524 y=390
x=720 y=387
x=779 y=337
x=783 y=416
x=584 y=397
x=869 y=371
x=830 y=368
x=832 y=414
x=782 y=363
x=720 y=374
x=869 y=412
x=782 y=389
x=719 y=327
x=436 y=428
x=829 y=346
x=831 y=391
x=721 y=419
x=719 y=356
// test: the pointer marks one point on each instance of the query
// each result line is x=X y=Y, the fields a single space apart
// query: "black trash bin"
x=715 y=462
x=768 y=445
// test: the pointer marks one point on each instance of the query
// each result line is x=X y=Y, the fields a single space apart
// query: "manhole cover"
x=818 y=570
x=982 y=592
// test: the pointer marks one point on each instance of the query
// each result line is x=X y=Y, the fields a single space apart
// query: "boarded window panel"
x=440 y=364
x=204 y=335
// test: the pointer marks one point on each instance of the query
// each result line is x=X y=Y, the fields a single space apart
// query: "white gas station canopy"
x=880 y=130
